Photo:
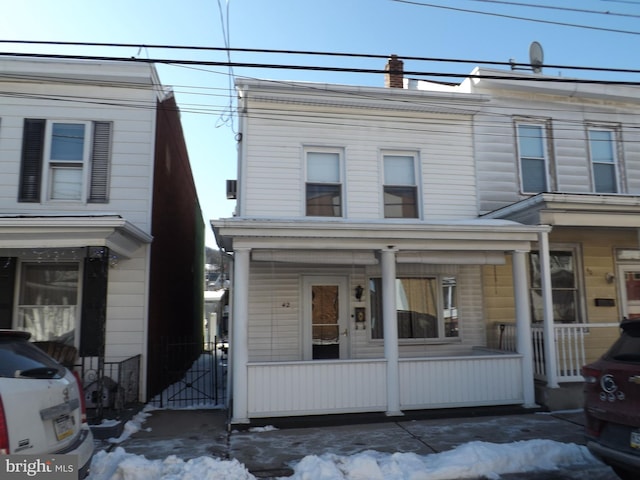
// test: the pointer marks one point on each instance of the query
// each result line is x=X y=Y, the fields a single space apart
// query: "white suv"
x=41 y=404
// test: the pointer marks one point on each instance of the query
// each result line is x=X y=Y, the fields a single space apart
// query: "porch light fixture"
x=609 y=277
x=358 y=292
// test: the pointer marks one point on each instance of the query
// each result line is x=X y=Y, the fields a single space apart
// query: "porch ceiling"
x=574 y=210
x=463 y=236
x=23 y=231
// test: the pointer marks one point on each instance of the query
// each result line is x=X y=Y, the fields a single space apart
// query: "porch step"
x=568 y=396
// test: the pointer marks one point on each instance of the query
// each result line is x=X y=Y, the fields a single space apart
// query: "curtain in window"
x=49 y=301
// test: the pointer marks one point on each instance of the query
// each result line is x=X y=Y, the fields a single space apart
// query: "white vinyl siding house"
x=365 y=307
x=77 y=180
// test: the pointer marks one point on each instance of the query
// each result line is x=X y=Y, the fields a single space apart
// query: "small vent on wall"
x=232 y=189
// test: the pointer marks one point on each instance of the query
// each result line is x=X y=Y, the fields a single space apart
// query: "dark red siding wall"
x=177 y=253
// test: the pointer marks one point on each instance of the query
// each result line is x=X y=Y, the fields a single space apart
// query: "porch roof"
x=473 y=235
x=60 y=231
x=574 y=210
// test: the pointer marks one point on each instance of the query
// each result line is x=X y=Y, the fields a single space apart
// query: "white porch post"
x=390 y=326
x=548 y=330
x=239 y=337
x=524 y=344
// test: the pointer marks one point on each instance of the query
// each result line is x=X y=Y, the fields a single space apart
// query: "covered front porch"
x=273 y=368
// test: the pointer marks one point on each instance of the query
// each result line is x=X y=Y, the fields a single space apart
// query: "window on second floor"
x=324 y=183
x=65 y=161
x=400 y=190
x=604 y=163
x=532 y=157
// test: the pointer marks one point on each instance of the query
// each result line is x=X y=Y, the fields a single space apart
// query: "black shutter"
x=94 y=305
x=31 y=168
x=100 y=162
x=7 y=287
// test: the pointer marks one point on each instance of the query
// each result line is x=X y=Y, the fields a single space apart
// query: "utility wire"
x=294 y=52
x=536 y=79
x=564 y=9
x=513 y=17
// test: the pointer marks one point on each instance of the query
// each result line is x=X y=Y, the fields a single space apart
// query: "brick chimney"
x=394 y=78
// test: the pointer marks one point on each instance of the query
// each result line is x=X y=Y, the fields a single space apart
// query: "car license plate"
x=635 y=440
x=63 y=426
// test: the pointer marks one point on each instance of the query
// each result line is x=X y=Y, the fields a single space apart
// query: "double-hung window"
x=65 y=161
x=564 y=286
x=324 y=183
x=426 y=307
x=604 y=164
x=400 y=190
x=533 y=159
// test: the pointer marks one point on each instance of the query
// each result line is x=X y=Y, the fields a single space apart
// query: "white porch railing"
x=570 y=344
x=350 y=386
x=451 y=382
x=316 y=387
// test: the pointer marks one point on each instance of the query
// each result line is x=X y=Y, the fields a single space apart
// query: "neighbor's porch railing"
x=575 y=345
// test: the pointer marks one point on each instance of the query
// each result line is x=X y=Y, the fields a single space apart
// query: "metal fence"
x=109 y=386
x=203 y=383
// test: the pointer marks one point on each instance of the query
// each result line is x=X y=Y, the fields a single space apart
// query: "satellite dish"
x=536 y=57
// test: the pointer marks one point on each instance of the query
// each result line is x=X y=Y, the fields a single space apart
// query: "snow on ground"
x=470 y=460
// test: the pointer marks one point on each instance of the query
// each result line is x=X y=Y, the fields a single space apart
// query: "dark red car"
x=612 y=403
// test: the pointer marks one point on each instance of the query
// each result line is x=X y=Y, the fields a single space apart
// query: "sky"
x=604 y=34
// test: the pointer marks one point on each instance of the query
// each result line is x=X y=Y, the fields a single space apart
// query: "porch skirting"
x=278 y=389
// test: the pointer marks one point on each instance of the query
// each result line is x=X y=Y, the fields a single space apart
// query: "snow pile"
x=120 y=465
x=470 y=460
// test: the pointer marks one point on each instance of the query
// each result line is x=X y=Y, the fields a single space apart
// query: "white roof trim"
x=43 y=231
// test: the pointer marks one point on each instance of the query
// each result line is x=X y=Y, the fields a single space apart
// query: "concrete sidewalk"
x=269 y=453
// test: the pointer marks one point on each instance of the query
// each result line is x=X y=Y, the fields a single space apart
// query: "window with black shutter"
x=31 y=167
x=57 y=161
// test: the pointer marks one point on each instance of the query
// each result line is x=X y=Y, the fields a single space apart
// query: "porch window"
x=324 y=184
x=532 y=157
x=48 y=301
x=604 y=163
x=426 y=307
x=564 y=287
x=400 y=190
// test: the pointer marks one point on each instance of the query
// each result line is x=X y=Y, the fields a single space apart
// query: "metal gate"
x=202 y=383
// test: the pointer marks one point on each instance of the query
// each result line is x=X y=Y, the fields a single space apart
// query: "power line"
x=282 y=52
x=564 y=9
x=514 y=17
x=536 y=79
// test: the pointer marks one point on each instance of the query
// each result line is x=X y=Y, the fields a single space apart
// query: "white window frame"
x=341 y=183
x=416 y=181
x=576 y=251
x=543 y=126
x=50 y=164
x=613 y=141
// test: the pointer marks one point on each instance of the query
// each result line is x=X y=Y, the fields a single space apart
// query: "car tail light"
x=83 y=405
x=4 y=431
x=591 y=375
